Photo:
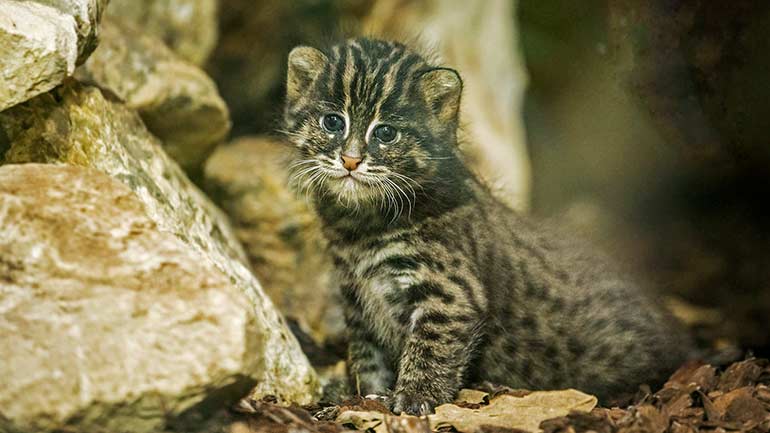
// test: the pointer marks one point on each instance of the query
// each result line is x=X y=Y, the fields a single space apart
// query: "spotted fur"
x=443 y=284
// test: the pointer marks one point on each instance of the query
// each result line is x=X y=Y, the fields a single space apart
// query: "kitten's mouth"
x=346 y=181
x=348 y=178
x=351 y=187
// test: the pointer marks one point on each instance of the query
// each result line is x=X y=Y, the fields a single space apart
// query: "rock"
x=87 y=15
x=189 y=27
x=41 y=42
x=178 y=102
x=77 y=125
x=107 y=320
x=280 y=232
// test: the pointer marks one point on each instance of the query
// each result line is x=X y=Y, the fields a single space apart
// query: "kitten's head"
x=374 y=123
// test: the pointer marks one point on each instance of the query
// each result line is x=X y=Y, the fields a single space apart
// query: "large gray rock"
x=87 y=14
x=189 y=27
x=108 y=322
x=41 y=42
x=77 y=125
x=178 y=102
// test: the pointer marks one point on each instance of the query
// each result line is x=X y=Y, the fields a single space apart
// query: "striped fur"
x=443 y=284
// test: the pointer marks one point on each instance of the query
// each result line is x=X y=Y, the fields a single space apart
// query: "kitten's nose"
x=351 y=162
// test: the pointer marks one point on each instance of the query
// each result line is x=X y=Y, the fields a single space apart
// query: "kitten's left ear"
x=441 y=89
x=305 y=65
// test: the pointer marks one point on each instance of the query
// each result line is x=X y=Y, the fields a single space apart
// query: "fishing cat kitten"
x=443 y=284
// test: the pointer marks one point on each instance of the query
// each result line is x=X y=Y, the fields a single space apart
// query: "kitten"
x=443 y=284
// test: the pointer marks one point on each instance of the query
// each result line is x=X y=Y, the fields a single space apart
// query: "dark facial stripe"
x=337 y=89
x=394 y=99
x=356 y=87
x=384 y=68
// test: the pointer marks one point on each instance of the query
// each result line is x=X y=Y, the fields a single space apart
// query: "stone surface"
x=280 y=232
x=87 y=15
x=108 y=322
x=77 y=125
x=178 y=102
x=189 y=27
x=41 y=42
x=38 y=46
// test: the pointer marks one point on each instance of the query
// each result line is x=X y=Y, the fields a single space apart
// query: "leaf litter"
x=697 y=398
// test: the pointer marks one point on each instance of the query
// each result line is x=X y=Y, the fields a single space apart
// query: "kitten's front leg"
x=368 y=366
x=435 y=357
x=369 y=369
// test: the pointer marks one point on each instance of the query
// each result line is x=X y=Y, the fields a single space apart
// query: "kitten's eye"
x=385 y=133
x=333 y=122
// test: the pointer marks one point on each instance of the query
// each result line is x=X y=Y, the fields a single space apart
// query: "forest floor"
x=697 y=398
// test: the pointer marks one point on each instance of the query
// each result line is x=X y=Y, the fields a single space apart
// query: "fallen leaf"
x=739 y=405
x=363 y=420
x=580 y=422
x=472 y=396
x=646 y=418
x=712 y=413
x=677 y=427
x=524 y=413
x=379 y=422
x=675 y=406
x=361 y=404
x=702 y=376
x=763 y=394
x=407 y=424
x=741 y=374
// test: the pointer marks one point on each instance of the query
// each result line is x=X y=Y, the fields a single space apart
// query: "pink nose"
x=350 y=162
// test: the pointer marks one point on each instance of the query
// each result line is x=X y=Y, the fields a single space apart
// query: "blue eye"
x=333 y=122
x=385 y=133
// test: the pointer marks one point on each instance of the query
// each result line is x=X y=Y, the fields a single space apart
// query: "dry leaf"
x=363 y=420
x=741 y=374
x=472 y=396
x=525 y=413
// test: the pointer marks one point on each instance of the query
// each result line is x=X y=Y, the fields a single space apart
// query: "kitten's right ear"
x=305 y=65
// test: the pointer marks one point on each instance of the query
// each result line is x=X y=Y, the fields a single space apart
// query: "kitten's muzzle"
x=351 y=162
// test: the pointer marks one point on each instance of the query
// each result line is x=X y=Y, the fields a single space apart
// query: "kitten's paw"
x=404 y=403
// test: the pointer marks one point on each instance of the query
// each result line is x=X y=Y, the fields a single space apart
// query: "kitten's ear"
x=441 y=88
x=305 y=65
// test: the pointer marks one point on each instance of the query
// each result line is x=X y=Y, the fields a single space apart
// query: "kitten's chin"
x=350 y=191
